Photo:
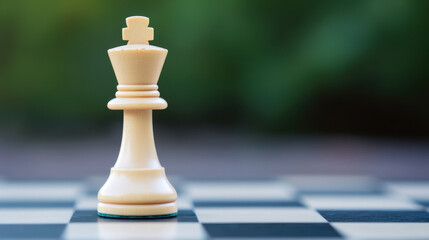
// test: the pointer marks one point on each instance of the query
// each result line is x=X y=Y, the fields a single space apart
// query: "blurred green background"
x=276 y=67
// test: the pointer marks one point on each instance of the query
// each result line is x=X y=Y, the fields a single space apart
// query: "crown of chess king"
x=137 y=185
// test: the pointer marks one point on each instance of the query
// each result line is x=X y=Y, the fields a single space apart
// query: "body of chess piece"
x=137 y=185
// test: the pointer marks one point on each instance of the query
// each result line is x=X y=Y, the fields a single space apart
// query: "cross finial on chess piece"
x=137 y=30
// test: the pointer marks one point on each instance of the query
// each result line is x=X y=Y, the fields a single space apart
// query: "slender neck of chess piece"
x=138 y=146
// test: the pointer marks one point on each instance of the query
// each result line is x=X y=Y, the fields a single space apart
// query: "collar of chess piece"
x=137 y=67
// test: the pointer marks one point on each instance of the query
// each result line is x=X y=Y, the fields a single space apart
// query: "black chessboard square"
x=267 y=230
x=375 y=216
x=352 y=192
x=31 y=231
x=37 y=204
x=92 y=192
x=92 y=216
x=423 y=203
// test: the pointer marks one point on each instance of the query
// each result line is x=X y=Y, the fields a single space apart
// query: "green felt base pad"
x=151 y=216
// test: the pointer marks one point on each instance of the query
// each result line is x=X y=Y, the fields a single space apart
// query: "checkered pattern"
x=311 y=207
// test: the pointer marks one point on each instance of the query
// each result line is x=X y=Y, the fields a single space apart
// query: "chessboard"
x=284 y=207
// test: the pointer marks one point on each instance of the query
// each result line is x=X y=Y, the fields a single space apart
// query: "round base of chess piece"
x=137 y=192
x=137 y=211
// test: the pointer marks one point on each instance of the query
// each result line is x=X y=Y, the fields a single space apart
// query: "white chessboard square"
x=414 y=190
x=383 y=230
x=239 y=191
x=258 y=215
x=35 y=216
x=40 y=191
x=135 y=230
x=86 y=203
x=331 y=182
x=346 y=202
x=184 y=202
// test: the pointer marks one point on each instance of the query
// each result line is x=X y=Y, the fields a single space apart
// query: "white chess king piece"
x=137 y=185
